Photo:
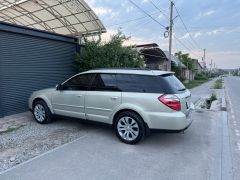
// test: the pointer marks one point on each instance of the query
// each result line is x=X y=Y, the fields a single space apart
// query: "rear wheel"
x=129 y=127
x=41 y=112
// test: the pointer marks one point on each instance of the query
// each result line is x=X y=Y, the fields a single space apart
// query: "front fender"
x=45 y=98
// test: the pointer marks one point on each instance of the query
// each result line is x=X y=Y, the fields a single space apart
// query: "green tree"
x=109 y=54
x=186 y=60
x=178 y=71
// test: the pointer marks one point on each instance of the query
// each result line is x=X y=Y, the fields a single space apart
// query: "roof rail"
x=123 y=68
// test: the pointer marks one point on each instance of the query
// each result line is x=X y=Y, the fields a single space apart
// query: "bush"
x=213 y=97
x=108 y=55
x=218 y=84
x=201 y=76
x=209 y=101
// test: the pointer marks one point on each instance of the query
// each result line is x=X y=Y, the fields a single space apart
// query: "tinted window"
x=173 y=84
x=104 y=82
x=167 y=84
x=81 y=82
x=139 y=83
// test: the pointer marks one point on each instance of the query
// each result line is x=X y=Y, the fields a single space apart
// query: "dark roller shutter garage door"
x=29 y=63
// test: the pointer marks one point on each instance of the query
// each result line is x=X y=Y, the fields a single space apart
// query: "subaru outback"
x=134 y=101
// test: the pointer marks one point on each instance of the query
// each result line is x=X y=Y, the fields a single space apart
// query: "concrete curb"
x=223 y=104
x=226 y=162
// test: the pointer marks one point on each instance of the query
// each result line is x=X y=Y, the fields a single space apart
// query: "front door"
x=70 y=100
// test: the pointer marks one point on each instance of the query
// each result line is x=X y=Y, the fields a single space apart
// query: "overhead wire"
x=190 y=35
x=186 y=46
x=131 y=20
x=167 y=17
x=177 y=39
x=145 y=12
x=158 y=8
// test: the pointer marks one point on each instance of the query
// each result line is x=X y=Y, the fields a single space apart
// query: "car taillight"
x=171 y=101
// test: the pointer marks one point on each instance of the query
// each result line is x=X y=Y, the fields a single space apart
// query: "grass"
x=195 y=83
x=209 y=101
x=10 y=130
x=218 y=84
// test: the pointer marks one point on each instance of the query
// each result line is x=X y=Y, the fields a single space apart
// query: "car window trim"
x=77 y=75
x=105 y=89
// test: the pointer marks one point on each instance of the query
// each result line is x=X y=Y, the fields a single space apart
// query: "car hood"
x=48 y=90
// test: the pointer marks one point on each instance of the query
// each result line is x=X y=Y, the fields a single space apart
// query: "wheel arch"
x=45 y=99
x=131 y=110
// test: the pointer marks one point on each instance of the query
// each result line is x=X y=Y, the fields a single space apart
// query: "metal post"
x=170 y=36
x=204 y=56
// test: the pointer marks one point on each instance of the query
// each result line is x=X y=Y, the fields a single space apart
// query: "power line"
x=158 y=8
x=186 y=28
x=130 y=20
x=185 y=46
x=147 y=13
x=139 y=25
x=164 y=26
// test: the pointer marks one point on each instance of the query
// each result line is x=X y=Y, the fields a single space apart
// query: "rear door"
x=102 y=98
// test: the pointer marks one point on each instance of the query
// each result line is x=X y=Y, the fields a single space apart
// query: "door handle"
x=79 y=95
x=114 y=97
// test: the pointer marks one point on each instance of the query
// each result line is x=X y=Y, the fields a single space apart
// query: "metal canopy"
x=68 y=17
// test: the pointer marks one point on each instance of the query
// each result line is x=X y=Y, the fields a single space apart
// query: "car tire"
x=41 y=112
x=129 y=127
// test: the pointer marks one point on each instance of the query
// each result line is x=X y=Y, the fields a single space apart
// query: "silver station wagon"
x=134 y=101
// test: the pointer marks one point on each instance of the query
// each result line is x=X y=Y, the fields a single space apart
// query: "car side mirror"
x=58 y=87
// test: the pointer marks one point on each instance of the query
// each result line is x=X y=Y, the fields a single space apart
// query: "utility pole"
x=170 y=36
x=204 y=56
x=211 y=67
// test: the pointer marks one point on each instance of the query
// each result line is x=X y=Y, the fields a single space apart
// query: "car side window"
x=139 y=83
x=79 y=83
x=104 y=82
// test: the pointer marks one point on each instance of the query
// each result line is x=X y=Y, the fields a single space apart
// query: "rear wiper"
x=183 y=89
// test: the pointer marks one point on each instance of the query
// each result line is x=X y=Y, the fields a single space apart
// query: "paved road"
x=232 y=86
x=202 y=91
x=196 y=154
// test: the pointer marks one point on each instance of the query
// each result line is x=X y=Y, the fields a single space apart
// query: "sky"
x=211 y=24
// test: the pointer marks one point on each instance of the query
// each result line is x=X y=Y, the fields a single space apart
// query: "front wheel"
x=129 y=127
x=41 y=112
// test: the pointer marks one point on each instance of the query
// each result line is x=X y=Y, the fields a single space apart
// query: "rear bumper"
x=170 y=122
x=168 y=130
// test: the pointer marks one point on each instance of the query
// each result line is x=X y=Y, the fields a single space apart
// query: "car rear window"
x=173 y=84
x=167 y=84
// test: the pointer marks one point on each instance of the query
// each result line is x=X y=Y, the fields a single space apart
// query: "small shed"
x=154 y=56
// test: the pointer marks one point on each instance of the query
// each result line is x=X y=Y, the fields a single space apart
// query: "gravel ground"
x=32 y=139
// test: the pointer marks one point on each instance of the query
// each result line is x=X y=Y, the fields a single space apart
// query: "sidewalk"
x=202 y=91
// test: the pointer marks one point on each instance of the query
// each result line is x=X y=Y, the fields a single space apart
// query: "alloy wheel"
x=128 y=128
x=39 y=112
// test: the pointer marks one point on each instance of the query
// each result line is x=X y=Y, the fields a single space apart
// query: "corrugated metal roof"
x=68 y=17
x=174 y=59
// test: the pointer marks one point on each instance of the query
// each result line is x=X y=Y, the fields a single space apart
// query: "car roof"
x=129 y=71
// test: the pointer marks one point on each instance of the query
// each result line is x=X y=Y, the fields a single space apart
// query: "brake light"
x=171 y=101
